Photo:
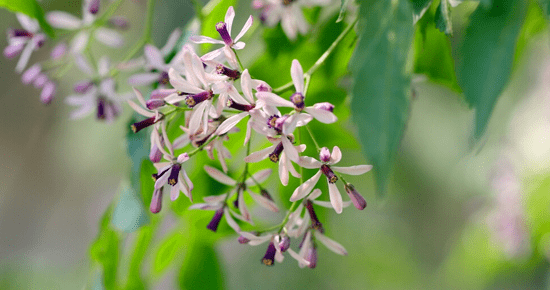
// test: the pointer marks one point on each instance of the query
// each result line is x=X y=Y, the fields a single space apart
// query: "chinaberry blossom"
x=278 y=244
x=230 y=44
x=322 y=112
x=24 y=41
x=326 y=168
x=84 y=27
x=288 y=12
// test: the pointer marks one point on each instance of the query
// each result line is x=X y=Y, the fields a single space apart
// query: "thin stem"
x=238 y=59
x=320 y=61
x=203 y=145
x=110 y=11
x=313 y=138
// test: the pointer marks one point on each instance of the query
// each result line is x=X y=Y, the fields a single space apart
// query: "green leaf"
x=486 y=56
x=201 y=267
x=167 y=251
x=208 y=27
x=31 y=9
x=105 y=250
x=443 y=18
x=381 y=86
x=419 y=7
x=343 y=6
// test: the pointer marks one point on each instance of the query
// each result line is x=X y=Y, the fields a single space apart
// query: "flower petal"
x=297 y=74
x=140 y=110
x=330 y=244
x=204 y=39
x=258 y=155
x=259 y=176
x=230 y=122
x=174 y=191
x=309 y=162
x=264 y=202
x=283 y=169
x=229 y=16
x=246 y=26
x=242 y=207
x=290 y=150
x=230 y=221
x=274 y=100
x=79 y=42
x=154 y=57
x=63 y=20
x=353 y=170
x=219 y=176
x=109 y=37
x=179 y=83
x=196 y=117
x=305 y=188
x=171 y=42
x=315 y=194
x=335 y=197
x=321 y=115
x=336 y=155
x=143 y=79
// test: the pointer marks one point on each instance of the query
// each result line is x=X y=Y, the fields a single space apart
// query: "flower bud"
x=82 y=87
x=284 y=244
x=58 y=51
x=48 y=92
x=215 y=222
x=30 y=74
x=156 y=201
x=358 y=200
x=269 y=257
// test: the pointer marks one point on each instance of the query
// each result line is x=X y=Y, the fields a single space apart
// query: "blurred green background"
x=457 y=215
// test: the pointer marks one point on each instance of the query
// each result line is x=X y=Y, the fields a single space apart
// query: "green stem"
x=238 y=59
x=202 y=146
x=313 y=138
x=320 y=61
x=198 y=10
x=105 y=16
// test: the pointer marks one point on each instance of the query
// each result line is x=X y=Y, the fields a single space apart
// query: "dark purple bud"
x=156 y=201
x=58 y=51
x=221 y=27
x=19 y=32
x=82 y=87
x=284 y=244
x=332 y=178
x=13 y=50
x=101 y=103
x=40 y=81
x=324 y=106
x=315 y=223
x=243 y=240
x=269 y=257
x=153 y=104
x=324 y=155
x=162 y=93
x=30 y=74
x=358 y=201
x=298 y=100
x=93 y=7
x=232 y=74
x=311 y=256
x=173 y=178
x=155 y=155
x=215 y=222
x=119 y=22
x=138 y=126
x=274 y=156
x=164 y=79
x=48 y=92
x=240 y=107
x=266 y=194
x=193 y=100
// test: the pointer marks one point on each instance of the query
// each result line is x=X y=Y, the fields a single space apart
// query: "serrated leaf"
x=31 y=9
x=443 y=17
x=380 y=92
x=343 y=6
x=486 y=56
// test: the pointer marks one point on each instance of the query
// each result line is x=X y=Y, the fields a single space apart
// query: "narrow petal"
x=181 y=84
x=305 y=188
x=109 y=37
x=79 y=42
x=283 y=169
x=239 y=45
x=242 y=207
x=264 y=202
x=303 y=119
x=290 y=150
x=259 y=155
x=336 y=155
x=260 y=240
x=214 y=198
x=154 y=57
x=63 y=20
x=335 y=197
x=140 y=110
x=230 y=221
x=314 y=194
x=328 y=204
x=259 y=176
x=353 y=170
x=229 y=16
x=103 y=66
x=143 y=79
x=330 y=244
x=298 y=258
x=174 y=192
x=230 y=123
x=28 y=23
x=290 y=168
x=205 y=206
x=171 y=42
x=309 y=162
x=196 y=117
x=24 y=58
x=83 y=65
x=246 y=26
x=297 y=74
x=205 y=39
x=219 y=176
x=274 y=100
x=321 y=115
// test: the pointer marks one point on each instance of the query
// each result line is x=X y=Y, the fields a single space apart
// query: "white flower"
x=326 y=168
x=277 y=245
x=224 y=29
x=24 y=41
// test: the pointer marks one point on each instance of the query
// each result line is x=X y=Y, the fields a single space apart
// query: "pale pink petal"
x=259 y=155
x=303 y=119
x=289 y=27
x=189 y=183
x=230 y=221
x=242 y=207
x=181 y=84
x=330 y=244
x=246 y=26
x=140 y=110
x=314 y=194
x=336 y=155
x=239 y=45
x=25 y=57
x=229 y=16
x=195 y=120
x=109 y=37
x=63 y=20
x=283 y=169
x=103 y=66
x=290 y=150
x=298 y=258
x=198 y=69
x=260 y=240
x=28 y=23
x=353 y=170
x=248 y=131
x=174 y=191
x=274 y=100
x=259 y=176
x=246 y=82
x=204 y=39
x=171 y=42
x=214 y=198
x=219 y=176
x=143 y=79
x=79 y=42
x=139 y=96
x=321 y=115
x=328 y=204
x=154 y=57
x=83 y=64
x=183 y=186
x=297 y=74
x=264 y=202
x=335 y=197
x=205 y=206
x=305 y=188
x=213 y=54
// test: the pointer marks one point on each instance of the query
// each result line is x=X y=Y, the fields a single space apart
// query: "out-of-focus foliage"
x=31 y=9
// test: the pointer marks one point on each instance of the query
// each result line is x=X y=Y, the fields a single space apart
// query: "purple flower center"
x=231 y=73
x=298 y=100
x=274 y=156
x=240 y=107
x=164 y=79
x=173 y=178
x=193 y=100
x=215 y=222
x=221 y=27
x=18 y=32
x=269 y=257
x=284 y=244
x=324 y=155
x=332 y=178
x=136 y=127
x=315 y=223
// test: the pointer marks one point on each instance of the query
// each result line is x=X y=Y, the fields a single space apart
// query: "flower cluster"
x=205 y=97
